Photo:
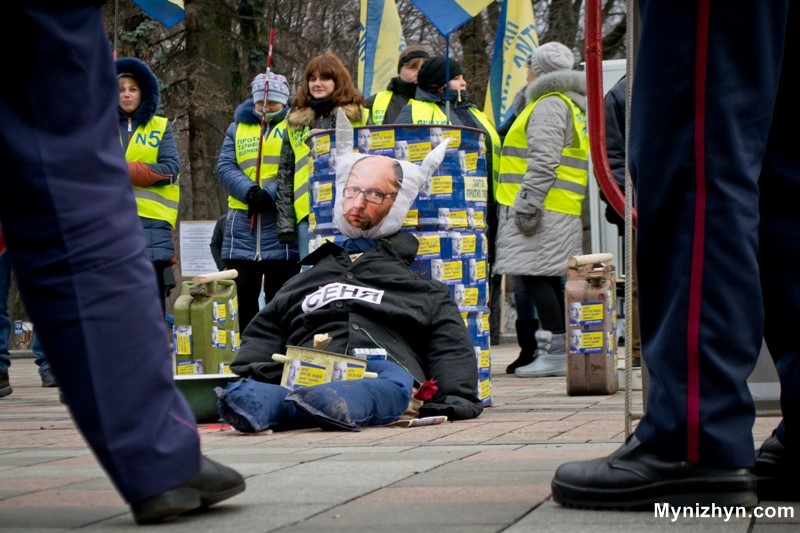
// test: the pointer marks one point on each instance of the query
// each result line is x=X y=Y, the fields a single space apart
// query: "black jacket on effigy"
x=374 y=301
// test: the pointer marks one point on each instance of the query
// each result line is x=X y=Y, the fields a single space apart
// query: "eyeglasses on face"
x=370 y=195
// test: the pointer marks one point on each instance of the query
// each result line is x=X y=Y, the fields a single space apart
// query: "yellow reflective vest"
x=158 y=202
x=572 y=174
x=379 y=106
x=247 y=136
x=431 y=113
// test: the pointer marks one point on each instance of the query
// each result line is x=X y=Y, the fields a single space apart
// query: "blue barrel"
x=449 y=219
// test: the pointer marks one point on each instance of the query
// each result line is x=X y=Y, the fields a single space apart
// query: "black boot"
x=213 y=483
x=633 y=478
x=777 y=469
x=5 y=385
x=526 y=338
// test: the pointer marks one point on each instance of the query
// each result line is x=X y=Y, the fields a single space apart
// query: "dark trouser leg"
x=76 y=244
x=276 y=273
x=696 y=168
x=248 y=288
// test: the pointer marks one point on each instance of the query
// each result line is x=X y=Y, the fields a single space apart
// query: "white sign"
x=195 y=240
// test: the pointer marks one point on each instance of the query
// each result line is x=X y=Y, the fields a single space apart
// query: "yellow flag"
x=516 y=39
x=380 y=41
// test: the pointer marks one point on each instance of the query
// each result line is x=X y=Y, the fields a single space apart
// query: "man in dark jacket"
x=362 y=295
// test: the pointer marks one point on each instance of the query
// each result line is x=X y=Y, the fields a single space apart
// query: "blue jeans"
x=251 y=406
x=5 y=323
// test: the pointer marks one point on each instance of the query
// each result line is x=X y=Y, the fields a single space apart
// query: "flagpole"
x=263 y=129
x=116 y=26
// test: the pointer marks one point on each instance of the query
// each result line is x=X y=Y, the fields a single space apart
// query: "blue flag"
x=516 y=39
x=380 y=41
x=449 y=15
x=168 y=12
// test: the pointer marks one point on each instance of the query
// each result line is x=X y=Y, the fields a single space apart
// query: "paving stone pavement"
x=490 y=474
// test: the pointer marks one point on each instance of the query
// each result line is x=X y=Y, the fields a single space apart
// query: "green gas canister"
x=206 y=333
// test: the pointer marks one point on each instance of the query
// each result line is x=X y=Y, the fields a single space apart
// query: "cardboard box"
x=306 y=367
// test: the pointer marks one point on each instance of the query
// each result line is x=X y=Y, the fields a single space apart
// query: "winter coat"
x=160 y=244
x=402 y=92
x=549 y=130
x=239 y=241
x=216 y=242
x=614 y=105
x=374 y=301
x=301 y=119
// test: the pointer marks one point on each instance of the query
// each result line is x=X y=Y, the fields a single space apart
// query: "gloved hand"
x=258 y=200
x=526 y=213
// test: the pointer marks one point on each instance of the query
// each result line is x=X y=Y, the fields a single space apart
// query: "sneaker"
x=635 y=479
x=5 y=385
x=778 y=471
x=213 y=483
x=48 y=378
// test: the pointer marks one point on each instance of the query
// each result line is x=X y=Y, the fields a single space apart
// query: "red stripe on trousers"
x=698 y=241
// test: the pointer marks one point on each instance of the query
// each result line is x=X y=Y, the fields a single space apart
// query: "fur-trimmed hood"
x=245 y=114
x=301 y=117
x=569 y=82
x=148 y=84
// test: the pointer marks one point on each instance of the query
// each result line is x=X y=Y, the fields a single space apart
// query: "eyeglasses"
x=370 y=195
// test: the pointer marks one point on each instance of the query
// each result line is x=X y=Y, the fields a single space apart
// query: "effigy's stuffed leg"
x=351 y=405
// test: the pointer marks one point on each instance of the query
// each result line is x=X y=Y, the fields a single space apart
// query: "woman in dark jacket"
x=249 y=241
x=327 y=86
x=153 y=162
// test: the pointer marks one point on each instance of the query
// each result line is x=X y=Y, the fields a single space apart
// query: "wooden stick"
x=589 y=259
x=213 y=276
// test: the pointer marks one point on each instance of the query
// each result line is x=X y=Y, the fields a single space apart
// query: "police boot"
x=551 y=356
x=526 y=338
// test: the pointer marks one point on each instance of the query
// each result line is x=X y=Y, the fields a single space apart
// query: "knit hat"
x=550 y=57
x=431 y=74
x=412 y=51
x=278 y=88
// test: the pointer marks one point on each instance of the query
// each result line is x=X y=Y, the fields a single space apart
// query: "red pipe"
x=596 y=110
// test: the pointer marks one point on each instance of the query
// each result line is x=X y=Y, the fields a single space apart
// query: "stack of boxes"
x=448 y=219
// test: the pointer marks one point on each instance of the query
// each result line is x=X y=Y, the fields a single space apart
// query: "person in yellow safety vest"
x=249 y=240
x=153 y=162
x=429 y=107
x=384 y=106
x=544 y=173
x=327 y=85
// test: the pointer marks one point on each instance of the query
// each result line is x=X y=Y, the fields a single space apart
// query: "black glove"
x=258 y=200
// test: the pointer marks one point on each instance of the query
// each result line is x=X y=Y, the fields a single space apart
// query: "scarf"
x=322 y=106
x=359 y=245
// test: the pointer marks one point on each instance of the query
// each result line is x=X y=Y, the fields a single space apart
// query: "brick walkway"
x=484 y=475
